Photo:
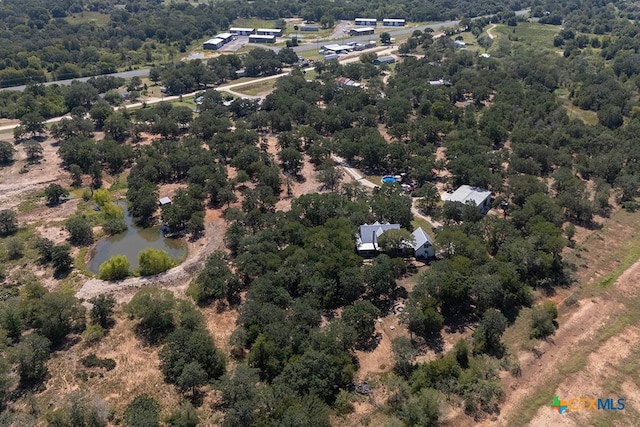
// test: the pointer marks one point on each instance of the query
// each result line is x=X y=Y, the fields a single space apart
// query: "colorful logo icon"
x=560 y=405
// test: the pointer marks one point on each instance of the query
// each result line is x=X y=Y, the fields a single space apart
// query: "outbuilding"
x=309 y=28
x=361 y=31
x=366 y=22
x=384 y=60
x=237 y=31
x=394 y=22
x=260 y=38
x=276 y=32
x=213 y=44
x=165 y=201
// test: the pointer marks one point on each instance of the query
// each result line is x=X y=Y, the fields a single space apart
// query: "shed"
x=165 y=201
x=309 y=28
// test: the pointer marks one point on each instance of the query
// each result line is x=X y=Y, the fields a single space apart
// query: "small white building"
x=165 y=201
x=394 y=22
x=368 y=22
x=466 y=194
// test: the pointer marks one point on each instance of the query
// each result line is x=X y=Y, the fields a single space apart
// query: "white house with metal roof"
x=367 y=240
x=466 y=193
x=423 y=245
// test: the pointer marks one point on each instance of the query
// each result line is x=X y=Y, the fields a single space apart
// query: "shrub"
x=80 y=230
x=93 y=361
x=114 y=226
x=154 y=261
x=8 y=222
x=93 y=334
x=115 y=268
x=542 y=320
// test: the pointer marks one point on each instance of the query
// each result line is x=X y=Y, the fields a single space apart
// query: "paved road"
x=124 y=74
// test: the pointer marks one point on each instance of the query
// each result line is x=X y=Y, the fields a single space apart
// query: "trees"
x=330 y=176
x=53 y=193
x=61 y=258
x=190 y=359
x=33 y=150
x=291 y=160
x=6 y=152
x=80 y=230
x=102 y=309
x=32 y=123
x=59 y=315
x=385 y=38
x=361 y=316
x=543 y=318
x=143 y=411
x=487 y=338
x=31 y=355
x=8 y=222
x=212 y=283
x=396 y=241
x=115 y=268
x=154 y=308
x=154 y=261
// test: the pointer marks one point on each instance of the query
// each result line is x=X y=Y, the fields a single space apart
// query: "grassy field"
x=88 y=17
x=253 y=23
x=537 y=35
x=256 y=89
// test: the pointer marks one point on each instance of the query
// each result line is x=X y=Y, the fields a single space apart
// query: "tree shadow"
x=370 y=344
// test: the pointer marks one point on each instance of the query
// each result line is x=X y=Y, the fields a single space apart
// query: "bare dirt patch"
x=15 y=186
x=590 y=381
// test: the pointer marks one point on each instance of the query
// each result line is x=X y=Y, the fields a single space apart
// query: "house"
x=262 y=38
x=384 y=60
x=440 y=82
x=367 y=240
x=236 y=31
x=343 y=81
x=361 y=31
x=468 y=194
x=276 y=32
x=394 y=22
x=309 y=28
x=423 y=245
x=369 y=22
x=165 y=201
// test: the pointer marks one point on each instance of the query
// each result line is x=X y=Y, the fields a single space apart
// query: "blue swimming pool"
x=388 y=179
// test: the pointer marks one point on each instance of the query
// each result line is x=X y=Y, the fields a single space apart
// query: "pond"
x=132 y=241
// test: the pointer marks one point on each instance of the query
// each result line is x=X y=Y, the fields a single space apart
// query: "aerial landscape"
x=311 y=213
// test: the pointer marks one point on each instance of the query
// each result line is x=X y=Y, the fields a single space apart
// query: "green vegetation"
x=115 y=268
x=153 y=261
